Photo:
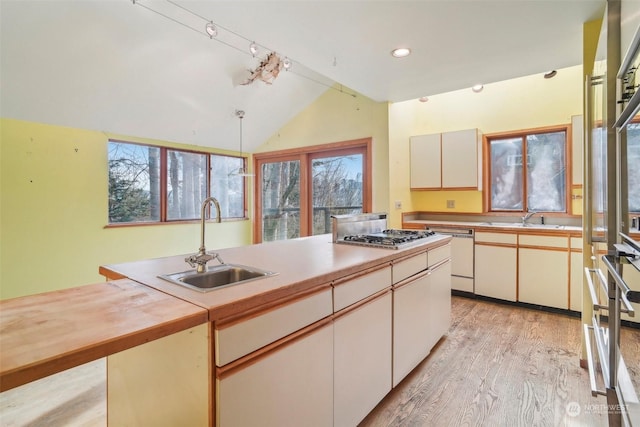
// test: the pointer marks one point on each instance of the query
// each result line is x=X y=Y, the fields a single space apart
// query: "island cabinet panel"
x=440 y=303
x=411 y=301
x=243 y=336
x=439 y=254
x=290 y=385
x=354 y=288
x=543 y=271
x=496 y=261
x=407 y=267
x=161 y=383
x=362 y=359
x=421 y=316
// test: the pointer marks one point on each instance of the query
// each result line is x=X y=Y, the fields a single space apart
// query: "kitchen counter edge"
x=304 y=265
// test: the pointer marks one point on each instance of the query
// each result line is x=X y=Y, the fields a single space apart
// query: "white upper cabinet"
x=426 y=161
x=576 y=149
x=450 y=160
x=461 y=159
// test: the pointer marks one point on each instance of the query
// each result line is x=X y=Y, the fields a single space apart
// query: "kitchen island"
x=320 y=343
x=325 y=339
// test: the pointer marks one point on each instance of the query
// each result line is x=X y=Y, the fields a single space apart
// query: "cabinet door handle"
x=592 y=290
x=622 y=285
x=588 y=330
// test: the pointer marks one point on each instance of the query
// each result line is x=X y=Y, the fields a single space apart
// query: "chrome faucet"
x=528 y=215
x=200 y=260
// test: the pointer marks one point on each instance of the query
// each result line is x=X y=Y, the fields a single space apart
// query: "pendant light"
x=241 y=171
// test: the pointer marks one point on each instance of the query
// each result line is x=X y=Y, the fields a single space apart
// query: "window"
x=150 y=184
x=186 y=184
x=299 y=190
x=134 y=183
x=336 y=187
x=528 y=171
x=633 y=171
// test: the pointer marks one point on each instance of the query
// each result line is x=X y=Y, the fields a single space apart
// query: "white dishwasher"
x=462 y=256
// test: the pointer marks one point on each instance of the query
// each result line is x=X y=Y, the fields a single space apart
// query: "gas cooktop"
x=389 y=239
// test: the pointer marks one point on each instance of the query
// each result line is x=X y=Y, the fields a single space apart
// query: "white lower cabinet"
x=496 y=263
x=543 y=277
x=362 y=360
x=410 y=325
x=576 y=276
x=543 y=271
x=496 y=271
x=355 y=347
x=440 y=309
x=421 y=315
x=291 y=385
x=236 y=339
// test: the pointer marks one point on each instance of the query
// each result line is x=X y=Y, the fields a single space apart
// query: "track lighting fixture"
x=211 y=29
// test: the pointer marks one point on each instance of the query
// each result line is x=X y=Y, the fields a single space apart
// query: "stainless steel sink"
x=217 y=277
x=551 y=226
x=520 y=225
x=502 y=224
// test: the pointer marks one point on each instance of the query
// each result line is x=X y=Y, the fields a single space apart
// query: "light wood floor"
x=498 y=366
x=502 y=365
x=75 y=397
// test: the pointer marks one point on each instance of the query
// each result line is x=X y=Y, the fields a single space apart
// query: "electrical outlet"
x=451 y=204
x=398 y=204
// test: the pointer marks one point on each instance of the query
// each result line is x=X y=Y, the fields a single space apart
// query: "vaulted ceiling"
x=147 y=68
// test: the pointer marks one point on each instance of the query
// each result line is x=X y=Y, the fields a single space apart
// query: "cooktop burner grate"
x=389 y=238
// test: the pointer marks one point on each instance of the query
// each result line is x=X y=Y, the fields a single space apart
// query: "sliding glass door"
x=298 y=190
x=336 y=188
x=280 y=200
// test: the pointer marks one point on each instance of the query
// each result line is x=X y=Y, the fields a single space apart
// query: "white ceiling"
x=117 y=66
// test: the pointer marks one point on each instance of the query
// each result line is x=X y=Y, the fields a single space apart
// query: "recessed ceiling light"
x=401 y=52
x=423 y=99
x=550 y=74
x=477 y=88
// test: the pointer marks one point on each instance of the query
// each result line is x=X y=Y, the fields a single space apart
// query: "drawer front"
x=410 y=266
x=439 y=254
x=549 y=241
x=576 y=243
x=511 y=239
x=241 y=338
x=351 y=291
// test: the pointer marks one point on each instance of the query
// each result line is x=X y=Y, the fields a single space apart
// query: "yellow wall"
x=54 y=206
x=522 y=103
x=53 y=203
x=336 y=116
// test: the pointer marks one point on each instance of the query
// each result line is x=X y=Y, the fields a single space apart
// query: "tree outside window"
x=528 y=172
x=298 y=190
x=186 y=184
x=134 y=183
x=139 y=194
x=633 y=166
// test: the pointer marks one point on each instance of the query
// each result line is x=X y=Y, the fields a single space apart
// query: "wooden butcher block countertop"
x=50 y=332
